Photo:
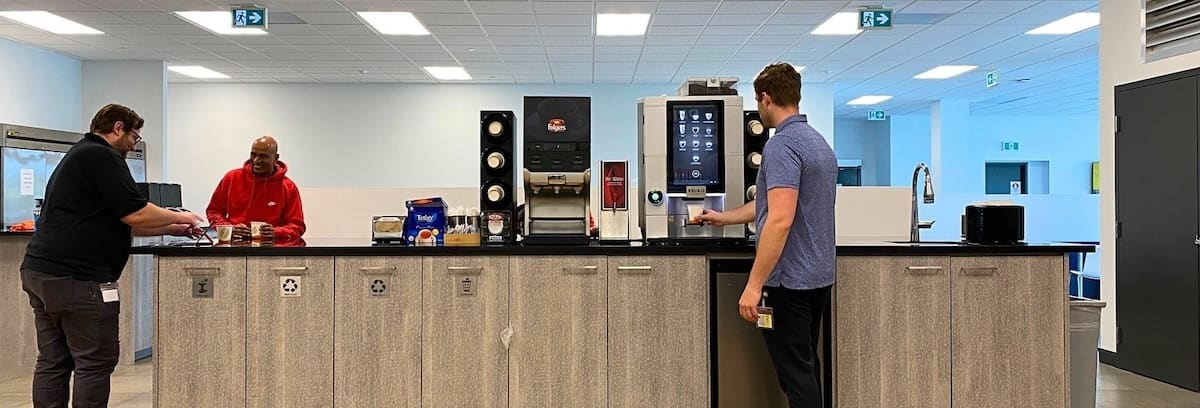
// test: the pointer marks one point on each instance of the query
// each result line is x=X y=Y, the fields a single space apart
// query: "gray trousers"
x=76 y=333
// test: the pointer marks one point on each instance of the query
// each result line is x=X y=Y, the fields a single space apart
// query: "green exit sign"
x=250 y=17
x=993 y=79
x=876 y=115
x=875 y=19
x=1011 y=146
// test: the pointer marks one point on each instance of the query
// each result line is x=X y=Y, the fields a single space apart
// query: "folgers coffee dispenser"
x=557 y=172
x=690 y=155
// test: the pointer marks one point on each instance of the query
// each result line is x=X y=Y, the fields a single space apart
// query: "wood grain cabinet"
x=1009 y=332
x=465 y=308
x=377 y=335
x=658 y=331
x=559 y=316
x=200 y=345
x=893 y=332
x=289 y=332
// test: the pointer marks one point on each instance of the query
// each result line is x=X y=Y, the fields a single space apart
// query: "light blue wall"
x=909 y=146
x=869 y=141
x=1069 y=143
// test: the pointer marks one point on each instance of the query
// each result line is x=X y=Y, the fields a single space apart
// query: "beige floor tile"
x=138 y=401
x=1147 y=399
x=19 y=385
x=13 y=401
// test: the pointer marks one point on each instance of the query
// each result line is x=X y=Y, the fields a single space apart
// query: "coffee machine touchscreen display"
x=694 y=149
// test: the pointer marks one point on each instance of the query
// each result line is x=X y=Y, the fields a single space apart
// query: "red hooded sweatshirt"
x=242 y=197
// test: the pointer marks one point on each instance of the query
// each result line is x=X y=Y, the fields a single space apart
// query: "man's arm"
x=218 y=210
x=173 y=229
x=769 y=247
x=740 y=215
x=153 y=217
x=293 y=217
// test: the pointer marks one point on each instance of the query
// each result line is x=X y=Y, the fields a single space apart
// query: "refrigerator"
x=28 y=156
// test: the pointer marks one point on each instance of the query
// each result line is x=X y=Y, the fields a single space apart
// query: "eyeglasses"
x=137 y=135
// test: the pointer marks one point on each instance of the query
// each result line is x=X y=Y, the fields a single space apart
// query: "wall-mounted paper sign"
x=26 y=182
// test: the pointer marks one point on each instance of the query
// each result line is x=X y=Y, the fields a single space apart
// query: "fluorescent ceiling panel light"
x=394 y=22
x=448 y=73
x=839 y=24
x=196 y=71
x=945 y=71
x=47 y=21
x=869 y=99
x=1068 y=25
x=220 y=22
x=622 y=24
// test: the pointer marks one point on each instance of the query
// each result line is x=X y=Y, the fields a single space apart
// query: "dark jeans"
x=793 y=343
x=76 y=332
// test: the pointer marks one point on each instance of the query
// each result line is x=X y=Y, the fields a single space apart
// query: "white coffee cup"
x=256 y=230
x=224 y=234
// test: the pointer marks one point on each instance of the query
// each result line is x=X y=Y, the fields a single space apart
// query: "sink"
x=927 y=242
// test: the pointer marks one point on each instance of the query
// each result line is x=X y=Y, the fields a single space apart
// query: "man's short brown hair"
x=781 y=81
x=109 y=115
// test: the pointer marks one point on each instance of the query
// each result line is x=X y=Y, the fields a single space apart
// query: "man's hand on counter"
x=748 y=305
x=241 y=233
x=268 y=233
x=183 y=230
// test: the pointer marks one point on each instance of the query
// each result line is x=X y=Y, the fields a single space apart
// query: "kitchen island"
x=352 y=325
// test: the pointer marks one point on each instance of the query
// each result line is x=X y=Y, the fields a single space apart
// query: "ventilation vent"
x=1172 y=28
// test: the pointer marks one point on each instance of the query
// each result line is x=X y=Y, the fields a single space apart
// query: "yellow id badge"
x=766 y=318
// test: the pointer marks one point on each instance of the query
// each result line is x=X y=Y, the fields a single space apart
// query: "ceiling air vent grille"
x=1172 y=28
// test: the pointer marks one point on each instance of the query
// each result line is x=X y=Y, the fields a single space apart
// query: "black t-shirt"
x=80 y=233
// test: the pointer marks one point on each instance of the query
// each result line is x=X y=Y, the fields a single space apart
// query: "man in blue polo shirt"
x=795 y=262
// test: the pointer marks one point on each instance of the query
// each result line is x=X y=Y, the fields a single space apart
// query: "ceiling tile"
x=563 y=7
x=749 y=7
x=501 y=7
x=687 y=7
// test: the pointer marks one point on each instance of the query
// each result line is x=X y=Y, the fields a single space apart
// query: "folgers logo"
x=556 y=126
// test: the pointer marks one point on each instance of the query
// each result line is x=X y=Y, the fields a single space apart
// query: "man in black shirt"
x=79 y=248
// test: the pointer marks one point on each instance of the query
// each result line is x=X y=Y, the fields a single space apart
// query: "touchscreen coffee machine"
x=557 y=171
x=690 y=153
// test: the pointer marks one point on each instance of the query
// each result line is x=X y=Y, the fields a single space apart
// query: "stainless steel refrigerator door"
x=745 y=376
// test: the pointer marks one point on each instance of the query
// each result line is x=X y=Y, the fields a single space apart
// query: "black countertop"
x=364 y=248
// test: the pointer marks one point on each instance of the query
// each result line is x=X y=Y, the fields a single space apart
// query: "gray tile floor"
x=132 y=387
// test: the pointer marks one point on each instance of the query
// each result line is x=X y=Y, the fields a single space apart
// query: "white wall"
x=869 y=141
x=41 y=88
x=1120 y=63
x=140 y=85
x=381 y=136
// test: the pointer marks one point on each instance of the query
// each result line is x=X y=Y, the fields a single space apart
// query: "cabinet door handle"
x=979 y=271
x=458 y=270
x=581 y=269
x=635 y=269
x=919 y=270
x=290 y=270
x=206 y=271
x=377 y=270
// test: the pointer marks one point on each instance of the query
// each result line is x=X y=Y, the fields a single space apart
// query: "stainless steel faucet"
x=917 y=225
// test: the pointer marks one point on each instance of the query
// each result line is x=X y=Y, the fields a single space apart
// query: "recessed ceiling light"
x=1069 y=25
x=196 y=71
x=47 y=21
x=799 y=68
x=945 y=71
x=622 y=24
x=869 y=99
x=448 y=73
x=218 y=22
x=839 y=24
x=394 y=22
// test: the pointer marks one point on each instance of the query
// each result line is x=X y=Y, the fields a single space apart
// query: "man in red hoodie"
x=260 y=191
